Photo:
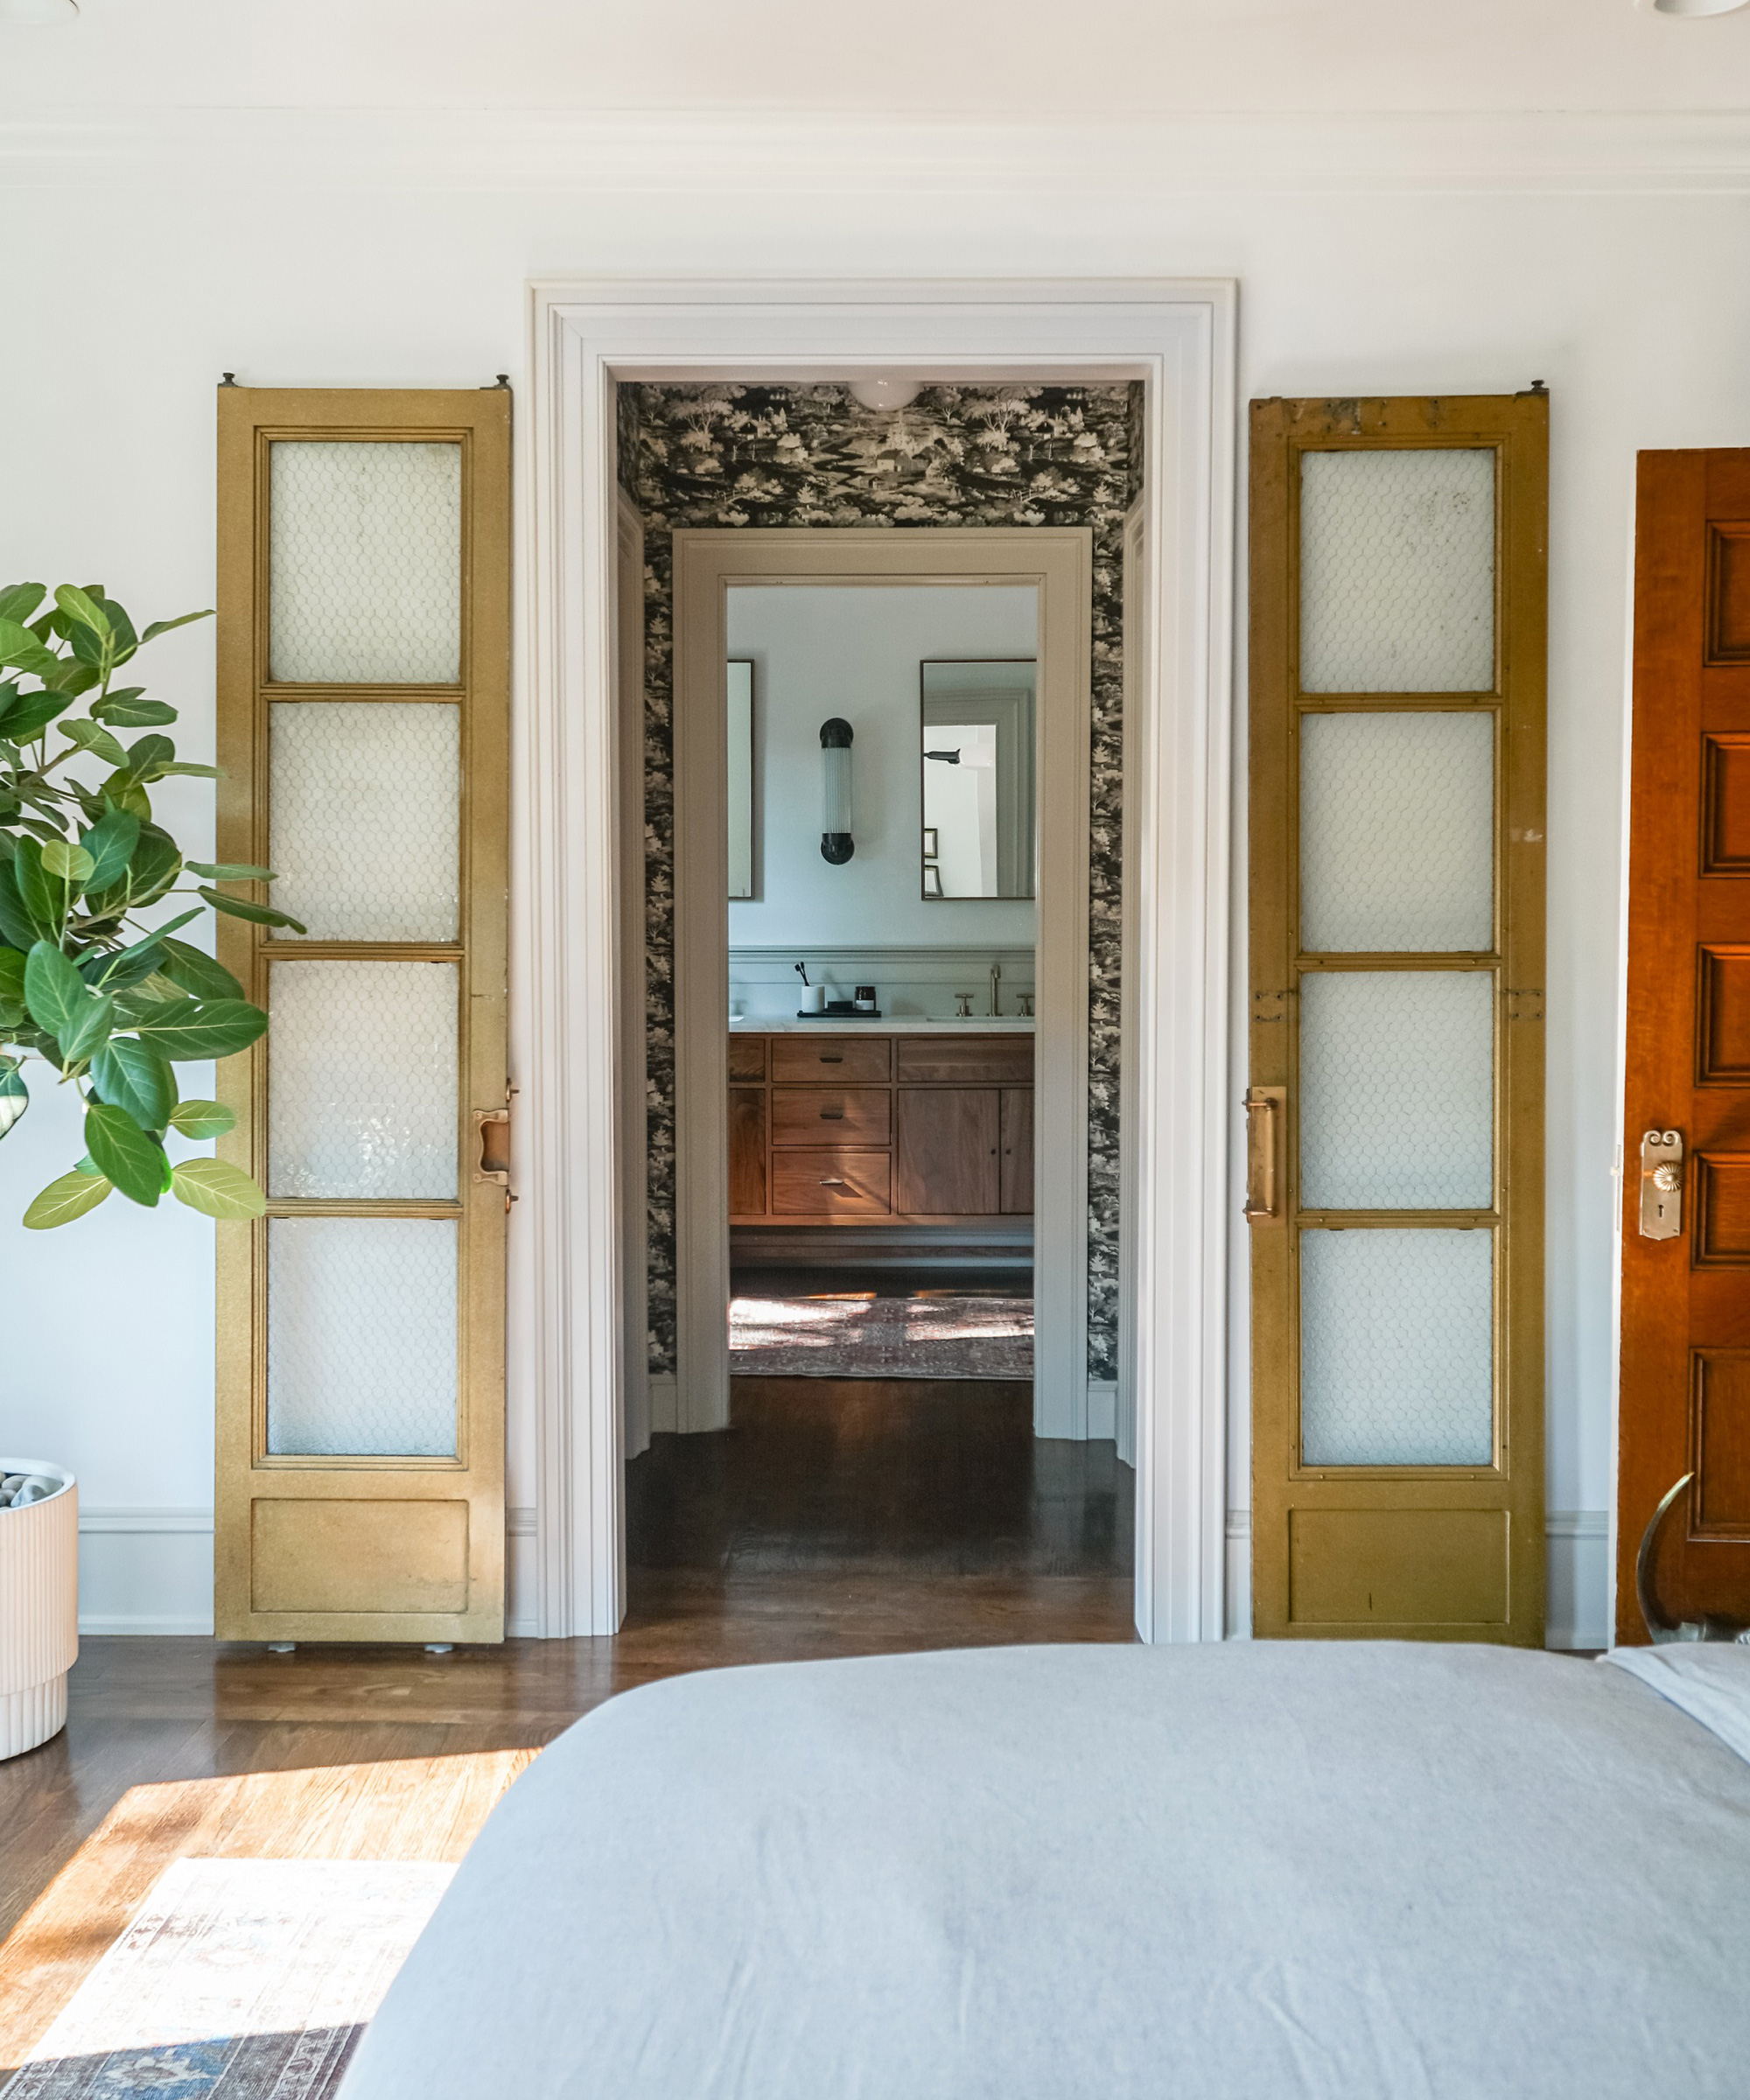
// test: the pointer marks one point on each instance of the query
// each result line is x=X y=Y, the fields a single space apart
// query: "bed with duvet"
x=1034 y=1873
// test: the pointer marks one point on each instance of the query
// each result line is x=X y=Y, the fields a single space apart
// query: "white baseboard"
x=1577 y=1551
x=665 y=1405
x=1102 y=1410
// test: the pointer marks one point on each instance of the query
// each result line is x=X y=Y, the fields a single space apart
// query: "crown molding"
x=1552 y=152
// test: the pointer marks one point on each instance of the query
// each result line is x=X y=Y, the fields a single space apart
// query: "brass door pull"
x=492 y=1130
x=832 y=1181
x=1266 y=1109
x=1661 y=1185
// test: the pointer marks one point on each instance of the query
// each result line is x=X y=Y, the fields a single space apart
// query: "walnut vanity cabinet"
x=911 y=1129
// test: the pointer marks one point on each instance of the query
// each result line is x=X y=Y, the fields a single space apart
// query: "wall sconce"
x=836 y=845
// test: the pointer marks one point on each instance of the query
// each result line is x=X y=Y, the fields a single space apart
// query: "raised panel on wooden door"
x=747 y=1151
x=1719 y=1445
x=829 y=1183
x=831 y=1115
x=1017 y=1180
x=947 y=1152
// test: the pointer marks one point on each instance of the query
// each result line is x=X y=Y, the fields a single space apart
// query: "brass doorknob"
x=1666 y=1179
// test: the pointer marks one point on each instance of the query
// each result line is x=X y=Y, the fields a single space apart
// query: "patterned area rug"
x=238 y=1979
x=856 y=1334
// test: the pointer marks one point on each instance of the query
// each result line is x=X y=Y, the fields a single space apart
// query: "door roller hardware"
x=1661 y=1185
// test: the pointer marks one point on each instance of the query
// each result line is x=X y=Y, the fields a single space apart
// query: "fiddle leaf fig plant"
x=93 y=978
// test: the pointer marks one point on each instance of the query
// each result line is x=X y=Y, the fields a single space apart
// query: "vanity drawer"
x=837 y=1115
x=834 y=1182
x=747 y=1057
x=831 y=1059
x=965 y=1060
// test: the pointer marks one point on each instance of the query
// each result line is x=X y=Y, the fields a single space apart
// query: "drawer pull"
x=832 y=1114
x=830 y=1058
x=832 y=1181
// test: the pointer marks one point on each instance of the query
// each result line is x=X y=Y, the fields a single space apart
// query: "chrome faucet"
x=996 y=989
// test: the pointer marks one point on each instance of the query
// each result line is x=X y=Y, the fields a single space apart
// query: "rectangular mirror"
x=740 y=723
x=978 y=752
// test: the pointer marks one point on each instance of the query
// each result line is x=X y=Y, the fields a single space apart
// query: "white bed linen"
x=1349 y=1871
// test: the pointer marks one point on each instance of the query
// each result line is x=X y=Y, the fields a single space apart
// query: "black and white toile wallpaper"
x=726 y=454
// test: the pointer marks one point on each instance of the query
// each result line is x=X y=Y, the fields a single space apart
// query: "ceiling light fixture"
x=885 y=392
x=1698 y=7
x=40 y=11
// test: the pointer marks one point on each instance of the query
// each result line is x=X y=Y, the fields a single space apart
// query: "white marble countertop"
x=893 y=1024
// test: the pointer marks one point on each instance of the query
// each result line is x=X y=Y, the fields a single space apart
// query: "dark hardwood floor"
x=833 y=1518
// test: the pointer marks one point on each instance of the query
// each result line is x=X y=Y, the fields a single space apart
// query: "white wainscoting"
x=921 y=981
x=1579 y=1576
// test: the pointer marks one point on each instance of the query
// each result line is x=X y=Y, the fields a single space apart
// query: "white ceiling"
x=982 y=59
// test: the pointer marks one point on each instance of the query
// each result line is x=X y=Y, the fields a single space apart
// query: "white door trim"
x=1179 y=339
x=1058 y=563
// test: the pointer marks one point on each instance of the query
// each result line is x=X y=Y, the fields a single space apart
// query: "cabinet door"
x=948 y=1142
x=1017 y=1150
x=747 y=1057
x=747 y=1151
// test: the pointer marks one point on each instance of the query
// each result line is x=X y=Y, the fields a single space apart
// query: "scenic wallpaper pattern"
x=727 y=455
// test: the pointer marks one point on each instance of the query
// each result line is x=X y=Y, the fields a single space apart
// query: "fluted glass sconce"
x=836 y=845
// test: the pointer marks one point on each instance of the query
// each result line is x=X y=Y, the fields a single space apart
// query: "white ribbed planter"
x=38 y=1609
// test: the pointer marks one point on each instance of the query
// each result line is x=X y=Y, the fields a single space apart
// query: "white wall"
x=818 y=652
x=1426 y=262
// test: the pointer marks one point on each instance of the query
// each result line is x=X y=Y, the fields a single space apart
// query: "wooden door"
x=1396 y=1111
x=946 y=1160
x=1017 y=1150
x=364 y=589
x=1685 y=1403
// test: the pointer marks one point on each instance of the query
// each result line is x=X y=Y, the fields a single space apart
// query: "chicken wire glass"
x=365 y=563
x=1397 y=1089
x=1398 y=571
x=361 y=1079
x=1396 y=1347
x=365 y=817
x=1396 y=832
x=362 y=1338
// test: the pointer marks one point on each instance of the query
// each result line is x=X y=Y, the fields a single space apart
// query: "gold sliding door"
x=1396 y=1110
x=363 y=705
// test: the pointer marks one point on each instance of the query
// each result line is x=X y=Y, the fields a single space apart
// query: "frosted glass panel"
x=367 y=811
x=1396 y=1348
x=1396 y=832
x=1398 y=571
x=365 y=557
x=1397 y=1089
x=361 y=1079
x=361 y=1337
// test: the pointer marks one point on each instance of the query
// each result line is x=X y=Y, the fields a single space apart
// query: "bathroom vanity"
x=907 y=1122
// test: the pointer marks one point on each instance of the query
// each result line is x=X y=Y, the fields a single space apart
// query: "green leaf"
x=132 y=1160
x=154 y=866
x=216 y=1187
x=19 y=648
x=67 y=864
x=63 y=1201
x=228 y=871
x=15 y=1098
x=93 y=737
x=192 y=772
x=195 y=971
x=163 y=626
x=73 y=602
x=136 y=1077
x=18 y=601
x=145 y=753
x=12 y=976
x=202 y=1118
x=17 y=925
x=25 y=715
x=82 y=1035
x=238 y=907
x=129 y=796
x=110 y=842
x=185 y=1028
x=125 y=710
x=34 y=892
x=55 y=993
x=121 y=632
x=70 y=677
